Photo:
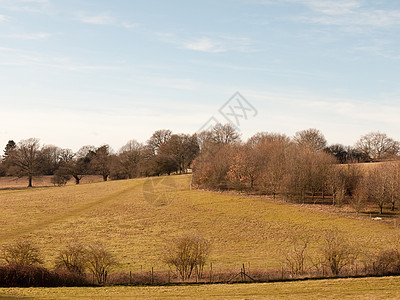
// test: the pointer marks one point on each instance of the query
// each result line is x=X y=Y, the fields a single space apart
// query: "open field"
x=136 y=225
x=366 y=288
x=41 y=181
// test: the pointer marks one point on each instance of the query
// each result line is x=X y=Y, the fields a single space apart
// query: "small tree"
x=21 y=253
x=100 y=262
x=337 y=252
x=73 y=258
x=296 y=256
x=188 y=253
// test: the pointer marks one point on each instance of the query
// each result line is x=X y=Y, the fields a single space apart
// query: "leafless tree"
x=337 y=252
x=22 y=252
x=312 y=139
x=225 y=134
x=129 y=158
x=100 y=262
x=27 y=159
x=188 y=254
x=377 y=146
x=159 y=138
x=73 y=258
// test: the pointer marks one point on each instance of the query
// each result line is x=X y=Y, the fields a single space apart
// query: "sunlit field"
x=135 y=219
x=367 y=288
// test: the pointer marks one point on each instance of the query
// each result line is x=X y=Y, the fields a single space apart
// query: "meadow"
x=136 y=219
x=366 y=288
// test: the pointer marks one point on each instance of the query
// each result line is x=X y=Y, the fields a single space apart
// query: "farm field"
x=135 y=219
x=366 y=288
x=41 y=181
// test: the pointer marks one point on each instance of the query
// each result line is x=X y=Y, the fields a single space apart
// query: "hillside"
x=136 y=218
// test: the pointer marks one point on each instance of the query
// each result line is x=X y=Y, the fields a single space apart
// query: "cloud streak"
x=99 y=19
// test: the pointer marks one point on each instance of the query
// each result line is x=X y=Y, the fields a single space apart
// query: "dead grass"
x=366 y=288
x=41 y=181
x=135 y=227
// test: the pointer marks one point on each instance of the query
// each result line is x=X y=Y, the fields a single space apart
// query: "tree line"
x=163 y=153
x=267 y=162
x=303 y=167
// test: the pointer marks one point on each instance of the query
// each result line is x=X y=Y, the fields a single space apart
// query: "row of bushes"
x=187 y=256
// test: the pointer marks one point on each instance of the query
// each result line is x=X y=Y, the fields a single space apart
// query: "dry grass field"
x=366 y=288
x=136 y=218
x=41 y=181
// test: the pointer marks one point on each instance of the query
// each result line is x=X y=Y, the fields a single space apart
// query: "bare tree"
x=377 y=146
x=225 y=134
x=159 y=138
x=337 y=252
x=129 y=158
x=312 y=139
x=100 y=262
x=27 y=159
x=101 y=161
x=73 y=258
x=188 y=254
x=377 y=184
x=21 y=252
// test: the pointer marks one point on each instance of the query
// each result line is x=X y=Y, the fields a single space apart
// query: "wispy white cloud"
x=30 y=36
x=347 y=13
x=204 y=45
x=2 y=18
x=99 y=19
x=33 y=6
x=104 y=19
x=209 y=43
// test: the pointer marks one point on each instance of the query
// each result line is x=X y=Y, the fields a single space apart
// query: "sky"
x=93 y=72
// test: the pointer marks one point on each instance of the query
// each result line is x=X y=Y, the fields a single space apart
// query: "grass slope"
x=136 y=218
x=366 y=288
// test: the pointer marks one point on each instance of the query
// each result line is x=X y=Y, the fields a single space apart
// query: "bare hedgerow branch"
x=188 y=253
x=21 y=252
x=337 y=252
x=73 y=258
x=100 y=262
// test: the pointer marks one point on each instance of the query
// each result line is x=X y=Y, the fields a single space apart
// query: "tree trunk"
x=105 y=177
x=29 y=181
x=77 y=179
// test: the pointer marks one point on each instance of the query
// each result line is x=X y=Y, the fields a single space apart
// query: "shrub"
x=21 y=253
x=100 y=262
x=188 y=253
x=337 y=252
x=387 y=262
x=35 y=276
x=73 y=259
x=60 y=179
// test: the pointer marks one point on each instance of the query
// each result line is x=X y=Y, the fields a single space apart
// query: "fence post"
x=210 y=272
x=130 y=277
x=169 y=276
x=152 y=275
x=282 y=273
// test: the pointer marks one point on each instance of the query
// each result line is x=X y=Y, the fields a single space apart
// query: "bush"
x=188 y=253
x=73 y=259
x=387 y=262
x=100 y=262
x=21 y=253
x=337 y=252
x=35 y=276
x=60 y=179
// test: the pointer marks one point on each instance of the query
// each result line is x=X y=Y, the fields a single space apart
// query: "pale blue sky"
x=93 y=71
